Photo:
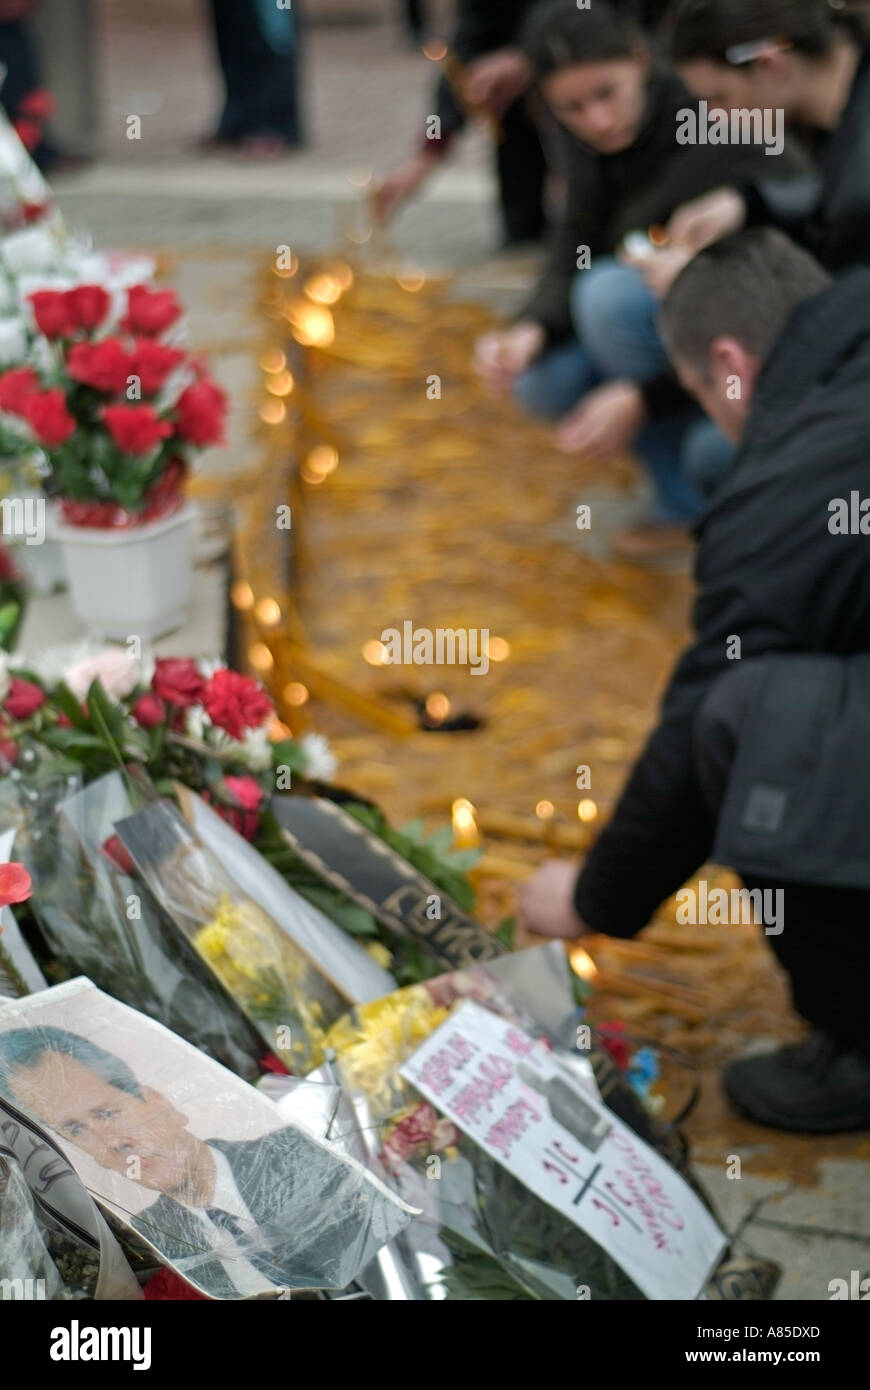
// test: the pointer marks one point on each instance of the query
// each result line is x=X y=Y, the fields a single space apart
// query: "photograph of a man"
x=236 y=1217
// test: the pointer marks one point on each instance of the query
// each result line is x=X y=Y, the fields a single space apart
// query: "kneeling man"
x=761 y=757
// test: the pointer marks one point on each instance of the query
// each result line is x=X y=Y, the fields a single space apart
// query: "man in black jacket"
x=761 y=758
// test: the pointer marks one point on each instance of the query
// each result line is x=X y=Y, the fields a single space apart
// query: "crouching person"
x=761 y=757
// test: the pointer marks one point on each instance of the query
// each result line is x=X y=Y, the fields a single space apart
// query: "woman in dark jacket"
x=811 y=61
x=588 y=333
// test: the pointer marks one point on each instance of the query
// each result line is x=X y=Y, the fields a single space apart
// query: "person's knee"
x=608 y=296
x=533 y=393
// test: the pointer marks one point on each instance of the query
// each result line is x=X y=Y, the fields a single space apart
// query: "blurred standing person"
x=415 y=20
x=492 y=77
x=258 y=49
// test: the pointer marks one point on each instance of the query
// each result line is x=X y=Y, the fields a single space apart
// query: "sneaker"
x=818 y=1086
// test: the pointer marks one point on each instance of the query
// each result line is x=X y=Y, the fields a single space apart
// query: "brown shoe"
x=652 y=540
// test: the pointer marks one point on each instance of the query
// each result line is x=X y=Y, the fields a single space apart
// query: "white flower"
x=5 y=680
x=14 y=342
x=321 y=763
x=116 y=670
x=256 y=750
x=33 y=248
x=196 y=721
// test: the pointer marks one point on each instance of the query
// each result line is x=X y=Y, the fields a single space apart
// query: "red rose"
x=177 y=681
x=8 y=752
x=15 y=389
x=49 y=418
x=53 y=313
x=246 y=791
x=245 y=816
x=117 y=854
x=150 y=312
x=614 y=1043
x=136 y=429
x=29 y=132
x=38 y=103
x=274 y=1064
x=24 y=699
x=235 y=703
x=200 y=413
x=152 y=362
x=168 y=1287
x=105 y=365
x=149 y=711
x=89 y=305
x=15 y=884
x=8 y=572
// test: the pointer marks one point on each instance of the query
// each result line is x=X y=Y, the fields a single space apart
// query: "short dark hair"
x=23 y=1047
x=711 y=29
x=742 y=287
x=558 y=35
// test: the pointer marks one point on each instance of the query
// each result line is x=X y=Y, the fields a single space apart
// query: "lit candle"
x=465 y=832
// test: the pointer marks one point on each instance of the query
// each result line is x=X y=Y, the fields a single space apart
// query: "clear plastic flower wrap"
x=98 y=920
x=188 y=1161
x=485 y=1234
x=270 y=977
x=54 y=1244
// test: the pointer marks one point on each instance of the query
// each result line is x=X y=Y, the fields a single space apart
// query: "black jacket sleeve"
x=661 y=832
x=582 y=222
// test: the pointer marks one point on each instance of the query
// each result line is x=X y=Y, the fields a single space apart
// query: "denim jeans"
x=614 y=316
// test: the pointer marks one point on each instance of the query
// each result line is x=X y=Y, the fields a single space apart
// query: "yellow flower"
x=373 y=1041
x=379 y=954
x=211 y=940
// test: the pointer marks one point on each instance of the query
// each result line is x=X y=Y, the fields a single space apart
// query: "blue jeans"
x=614 y=316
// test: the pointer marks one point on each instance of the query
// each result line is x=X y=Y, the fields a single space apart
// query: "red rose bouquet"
x=115 y=412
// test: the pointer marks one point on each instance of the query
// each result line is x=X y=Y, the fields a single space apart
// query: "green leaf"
x=289 y=753
x=74 y=741
x=506 y=933
x=63 y=697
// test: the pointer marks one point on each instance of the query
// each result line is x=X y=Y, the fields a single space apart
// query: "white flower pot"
x=41 y=565
x=135 y=582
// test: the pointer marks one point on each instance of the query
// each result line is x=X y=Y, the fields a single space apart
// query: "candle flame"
x=437 y=707
x=583 y=965
x=465 y=831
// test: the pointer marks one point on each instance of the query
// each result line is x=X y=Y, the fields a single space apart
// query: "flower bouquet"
x=532 y=1187
x=274 y=982
x=93 y=917
x=116 y=411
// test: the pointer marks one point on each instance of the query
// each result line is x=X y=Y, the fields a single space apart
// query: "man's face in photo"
x=110 y=1124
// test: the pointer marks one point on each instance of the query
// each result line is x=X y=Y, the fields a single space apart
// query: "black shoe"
x=818 y=1086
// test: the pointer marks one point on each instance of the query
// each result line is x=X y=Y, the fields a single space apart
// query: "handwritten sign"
x=508 y=1094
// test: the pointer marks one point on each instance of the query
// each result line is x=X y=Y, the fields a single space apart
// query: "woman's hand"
x=693 y=227
x=708 y=219
x=547 y=902
x=607 y=421
x=661 y=269
x=497 y=80
x=500 y=357
x=400 y=185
